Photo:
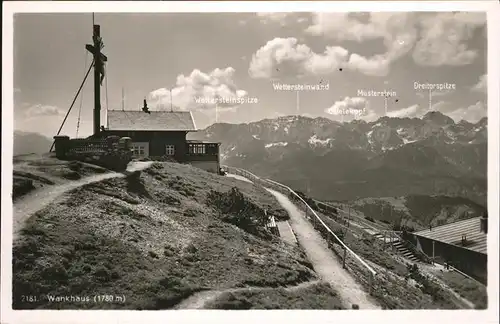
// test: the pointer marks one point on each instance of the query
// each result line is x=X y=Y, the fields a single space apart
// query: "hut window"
x=197 y=149
x=170 y=149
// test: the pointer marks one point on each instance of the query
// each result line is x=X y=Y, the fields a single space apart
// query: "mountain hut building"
x=157 y=134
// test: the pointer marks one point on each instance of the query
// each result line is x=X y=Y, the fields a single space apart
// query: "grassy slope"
x=33 y=172
x=466 y=288
x=320 y=296
x=151 y=238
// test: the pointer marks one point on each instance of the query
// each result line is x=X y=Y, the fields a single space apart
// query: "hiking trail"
x=200 y=299
x=324 y=262
x=37 y=200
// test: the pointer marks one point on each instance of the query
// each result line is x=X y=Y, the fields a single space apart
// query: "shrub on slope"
x=239 y=211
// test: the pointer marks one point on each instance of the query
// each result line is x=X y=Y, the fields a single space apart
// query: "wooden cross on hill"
x=99 y=60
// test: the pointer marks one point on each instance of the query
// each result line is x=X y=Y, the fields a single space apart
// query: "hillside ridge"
x=156 y=237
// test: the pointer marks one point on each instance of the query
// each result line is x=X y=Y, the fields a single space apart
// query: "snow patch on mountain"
x=369 y=136
x=407 y=141
x=314 y=140
x=276 y=144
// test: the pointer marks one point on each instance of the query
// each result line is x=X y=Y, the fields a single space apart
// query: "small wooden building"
x=158 y=134
x=463 y=244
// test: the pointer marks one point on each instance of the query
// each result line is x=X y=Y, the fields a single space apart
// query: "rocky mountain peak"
x=438 y=118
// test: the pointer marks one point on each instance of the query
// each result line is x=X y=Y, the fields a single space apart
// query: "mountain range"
x=419 y=211
x=30 y=143
x=336 y=161
x=389 y=157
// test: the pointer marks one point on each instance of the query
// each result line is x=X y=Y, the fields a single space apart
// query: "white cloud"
x=159 y=94
x=282 y=18
x=443 y=38
x=424 y=93
x=349 y=106
x=437 y=38
x=342 y=26
x=45 y=119
x=277 y=18
x=206 y=87
x=482 y=85
x=273 y=16
x=284 y=56
x=308 y=115
x=472 y=113
x=397 y=30
x=417 y=111
x=326 y=62
x=39 y=110
x=440 y=105
x=410 y=112
x=377 y=65
x=370 y=116
x=440 y=93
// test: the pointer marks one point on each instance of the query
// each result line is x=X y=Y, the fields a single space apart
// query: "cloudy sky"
x=201 y=56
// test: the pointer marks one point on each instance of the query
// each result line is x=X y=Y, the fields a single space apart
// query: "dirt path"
x=286 y=232
x=200 y=299
x=238 y=177
x=35 y=201
x=323 y=260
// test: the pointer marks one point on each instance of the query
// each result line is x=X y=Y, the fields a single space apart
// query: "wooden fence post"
x=370 y=278
x=433 y=254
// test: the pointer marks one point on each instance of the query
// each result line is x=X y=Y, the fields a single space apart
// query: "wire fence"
x=311 y=215
x=396 y=236
x=319 y=224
